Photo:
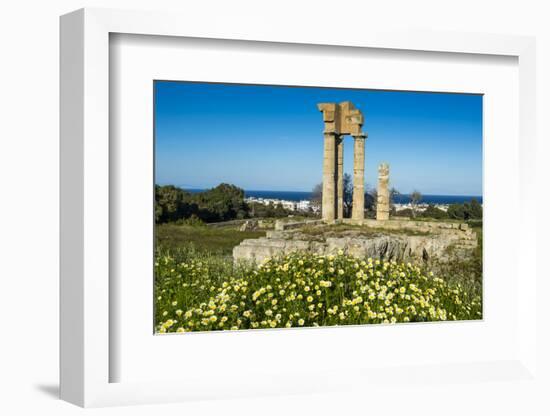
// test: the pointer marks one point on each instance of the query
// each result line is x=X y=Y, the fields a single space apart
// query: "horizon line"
x=272 y=190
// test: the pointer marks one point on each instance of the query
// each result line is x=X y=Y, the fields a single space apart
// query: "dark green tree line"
x=223 y=203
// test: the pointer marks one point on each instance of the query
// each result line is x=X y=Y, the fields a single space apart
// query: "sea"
x=399 y=199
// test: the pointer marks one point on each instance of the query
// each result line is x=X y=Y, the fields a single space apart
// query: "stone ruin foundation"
x=415 y=241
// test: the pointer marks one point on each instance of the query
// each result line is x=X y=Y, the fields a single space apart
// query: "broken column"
x=383 y=201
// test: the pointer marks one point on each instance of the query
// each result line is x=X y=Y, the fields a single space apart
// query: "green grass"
x=429 y=219
x=202 y=238
x=337 y=230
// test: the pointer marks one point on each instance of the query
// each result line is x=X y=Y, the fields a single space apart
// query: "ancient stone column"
x=383 y=202
x=340 y=177
x=358 y=209
x=329 y=178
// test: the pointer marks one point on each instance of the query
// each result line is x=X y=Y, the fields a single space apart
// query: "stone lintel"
x=341 y=118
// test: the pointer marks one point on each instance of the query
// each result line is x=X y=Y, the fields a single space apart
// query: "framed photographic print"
x=291 y=213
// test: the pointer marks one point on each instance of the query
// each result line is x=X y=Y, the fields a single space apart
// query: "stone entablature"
x=342 y=118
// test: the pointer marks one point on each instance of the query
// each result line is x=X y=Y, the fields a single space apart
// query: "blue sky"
x=271 y=137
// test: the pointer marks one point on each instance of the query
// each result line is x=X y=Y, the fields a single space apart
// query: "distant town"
x=299 y=206
x=307 y=205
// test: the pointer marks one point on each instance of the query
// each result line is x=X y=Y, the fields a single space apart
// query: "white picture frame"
x=86 y=355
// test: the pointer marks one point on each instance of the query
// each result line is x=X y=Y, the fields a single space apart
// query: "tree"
x=280 y=211
x=475 y=211
x=433 y=212
x=405 y=212
x=415 y=198
x=348 y=195
x=394 y=193
x=371 y=196
x=316 y=197
x=172 y=203
x=222 y=203
x=456 y=211
x=466 y=211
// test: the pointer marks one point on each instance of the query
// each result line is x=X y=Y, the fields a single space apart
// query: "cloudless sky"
x=271 y=137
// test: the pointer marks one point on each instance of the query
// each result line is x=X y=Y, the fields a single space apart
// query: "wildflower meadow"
x=201 y=292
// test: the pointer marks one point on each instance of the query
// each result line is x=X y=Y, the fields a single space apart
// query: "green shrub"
x=193 y=221
x=433 y=212
x=223 y=203
x=466 y=211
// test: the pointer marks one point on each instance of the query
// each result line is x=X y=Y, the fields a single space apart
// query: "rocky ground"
x=389 y=240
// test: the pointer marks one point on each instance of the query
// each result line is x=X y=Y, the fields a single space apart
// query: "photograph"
x=297 y=207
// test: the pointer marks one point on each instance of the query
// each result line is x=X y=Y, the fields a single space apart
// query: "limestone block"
x=249 y=225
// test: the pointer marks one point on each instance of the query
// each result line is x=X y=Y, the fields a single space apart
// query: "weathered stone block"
x=249 y=225
x=439 y=239
x=282 y=225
